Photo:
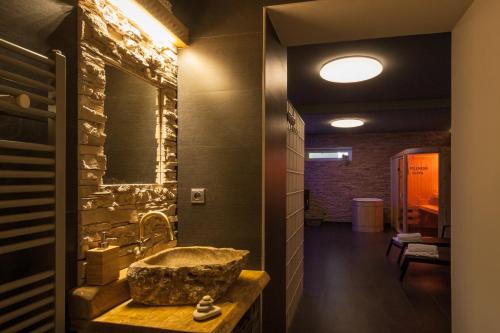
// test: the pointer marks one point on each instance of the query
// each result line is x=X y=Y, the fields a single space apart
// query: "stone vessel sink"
x=183 y=275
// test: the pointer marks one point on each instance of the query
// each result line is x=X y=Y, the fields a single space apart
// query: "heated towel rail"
x=32 y=191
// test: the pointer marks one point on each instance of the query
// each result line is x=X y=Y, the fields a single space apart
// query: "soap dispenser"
x=102 y=263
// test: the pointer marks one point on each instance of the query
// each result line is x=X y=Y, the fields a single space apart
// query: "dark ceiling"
x=412 y=93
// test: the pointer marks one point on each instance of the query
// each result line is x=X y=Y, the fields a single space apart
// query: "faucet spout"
x=159 y=215
x=141 y=249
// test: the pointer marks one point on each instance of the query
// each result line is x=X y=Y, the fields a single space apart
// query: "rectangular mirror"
x=130 y=147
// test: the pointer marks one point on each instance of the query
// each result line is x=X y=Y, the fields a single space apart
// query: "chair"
x=420 y=259
x=408 y=259
x=438 y=241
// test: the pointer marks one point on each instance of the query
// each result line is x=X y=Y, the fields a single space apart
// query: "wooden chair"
x=408 y=259
x=438 y=241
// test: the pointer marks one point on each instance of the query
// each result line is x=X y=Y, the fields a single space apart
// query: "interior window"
x=329 y=154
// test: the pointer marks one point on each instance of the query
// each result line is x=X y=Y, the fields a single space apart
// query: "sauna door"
x=422 y=193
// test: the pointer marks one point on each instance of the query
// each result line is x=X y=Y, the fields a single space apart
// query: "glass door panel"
x=422 y=184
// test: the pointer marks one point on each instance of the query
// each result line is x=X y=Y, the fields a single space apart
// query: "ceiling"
x=412 y=93
x=327 y=21
x=411 y=38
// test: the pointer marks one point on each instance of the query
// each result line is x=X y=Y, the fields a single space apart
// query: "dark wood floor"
x=351 y=287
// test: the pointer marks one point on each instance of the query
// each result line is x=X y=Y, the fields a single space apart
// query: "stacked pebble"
x=205 y=309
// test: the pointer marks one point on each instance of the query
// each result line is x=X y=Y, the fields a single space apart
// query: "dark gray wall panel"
x=220 y=138
x=220 y=117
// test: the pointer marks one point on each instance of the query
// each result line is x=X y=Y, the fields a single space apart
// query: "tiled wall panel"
x=295 y=216
x=220 y=119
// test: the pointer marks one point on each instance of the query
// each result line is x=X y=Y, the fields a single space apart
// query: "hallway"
x=351 y=287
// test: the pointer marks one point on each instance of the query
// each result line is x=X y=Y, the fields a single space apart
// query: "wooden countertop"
x=88 y=302
x=130 y=317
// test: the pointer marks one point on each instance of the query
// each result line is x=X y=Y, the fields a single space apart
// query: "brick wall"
x=333 y=184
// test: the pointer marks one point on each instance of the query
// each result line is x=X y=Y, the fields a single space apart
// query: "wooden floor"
x=351 y=287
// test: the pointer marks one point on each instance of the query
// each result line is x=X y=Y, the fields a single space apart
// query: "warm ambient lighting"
x=351 y=69
x=347 y=123
x=158 y=33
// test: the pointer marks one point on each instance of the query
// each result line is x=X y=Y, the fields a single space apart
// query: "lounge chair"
x=409 y=258
x=438 y=241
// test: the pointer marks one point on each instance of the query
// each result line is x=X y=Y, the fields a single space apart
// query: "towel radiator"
x=32 y=191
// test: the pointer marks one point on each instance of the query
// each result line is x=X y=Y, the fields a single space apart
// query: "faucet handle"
x=138 y=251
x=144 y=240
x=104 y=241
x=140 y=248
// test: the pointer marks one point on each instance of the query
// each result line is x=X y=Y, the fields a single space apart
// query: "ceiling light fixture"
x=347 y=123
x=351 y=69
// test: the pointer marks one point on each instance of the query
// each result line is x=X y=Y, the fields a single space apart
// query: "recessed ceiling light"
x=347 y=123
x=351 y=69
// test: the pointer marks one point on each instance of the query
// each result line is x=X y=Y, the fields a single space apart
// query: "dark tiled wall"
x=334 y=184
x=220 y=116
x=34 y=25
x=220 y=142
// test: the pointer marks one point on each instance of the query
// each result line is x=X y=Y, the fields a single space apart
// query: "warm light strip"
x=159 y=34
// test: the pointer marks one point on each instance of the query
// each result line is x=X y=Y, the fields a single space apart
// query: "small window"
x=329 y=154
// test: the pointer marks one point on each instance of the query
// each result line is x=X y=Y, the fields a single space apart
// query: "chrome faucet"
x=140 y=249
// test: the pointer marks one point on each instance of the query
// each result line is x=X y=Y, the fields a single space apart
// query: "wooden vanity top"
x=130 y=317
x=88 y=302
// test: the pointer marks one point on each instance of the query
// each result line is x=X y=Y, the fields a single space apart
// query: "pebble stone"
x=205 y=309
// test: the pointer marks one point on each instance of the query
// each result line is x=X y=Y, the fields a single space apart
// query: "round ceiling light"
x=351 y=69
x=347 y=123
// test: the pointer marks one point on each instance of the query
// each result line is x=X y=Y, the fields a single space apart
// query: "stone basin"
x=183 y=275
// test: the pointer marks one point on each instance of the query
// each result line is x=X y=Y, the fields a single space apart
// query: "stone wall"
x=333 y=184
x=107 y=36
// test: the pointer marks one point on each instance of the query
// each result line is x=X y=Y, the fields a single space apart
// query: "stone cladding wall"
x=106 y=36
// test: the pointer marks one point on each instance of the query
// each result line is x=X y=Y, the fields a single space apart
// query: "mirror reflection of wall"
x=130 y=146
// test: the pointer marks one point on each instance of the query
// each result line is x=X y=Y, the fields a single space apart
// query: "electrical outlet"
x=198 y=195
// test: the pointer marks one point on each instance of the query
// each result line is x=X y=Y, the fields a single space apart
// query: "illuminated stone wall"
x=106 y=36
